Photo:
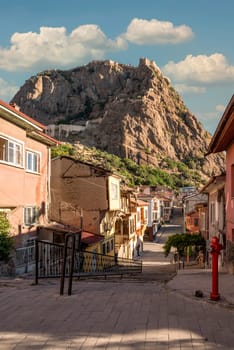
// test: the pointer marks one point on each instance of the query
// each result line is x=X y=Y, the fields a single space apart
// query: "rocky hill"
x=132 y=112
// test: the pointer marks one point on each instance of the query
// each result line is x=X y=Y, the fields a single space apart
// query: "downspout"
x=48 y=184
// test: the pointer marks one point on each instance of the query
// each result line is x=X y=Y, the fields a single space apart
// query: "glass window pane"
x=29 y=161
x=32 y=161
x=35 y=162
x=3 y=149
x=11 y=152
x=18 y=154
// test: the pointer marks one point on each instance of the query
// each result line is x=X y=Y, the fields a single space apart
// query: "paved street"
x=115 y=314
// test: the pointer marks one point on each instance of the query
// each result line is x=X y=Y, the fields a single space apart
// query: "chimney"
x=13 y=104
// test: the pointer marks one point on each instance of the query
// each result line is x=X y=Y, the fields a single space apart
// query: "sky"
x=190 y=41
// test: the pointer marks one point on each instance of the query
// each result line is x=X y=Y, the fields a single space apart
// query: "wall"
x=229 y=198
x=75 y=190
x=229 y=210
x=20 y=188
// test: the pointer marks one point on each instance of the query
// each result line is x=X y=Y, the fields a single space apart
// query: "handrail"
x=50 y=258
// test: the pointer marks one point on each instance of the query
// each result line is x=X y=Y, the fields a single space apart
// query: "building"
x=221 y=141
x=24 y=172
x=86 y=196
x=154 y=211
x=195 y=213
x=216 y=213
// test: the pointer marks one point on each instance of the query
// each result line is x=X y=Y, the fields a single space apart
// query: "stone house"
x=24 y=172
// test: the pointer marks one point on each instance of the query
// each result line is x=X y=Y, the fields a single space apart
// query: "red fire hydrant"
x=216 y=247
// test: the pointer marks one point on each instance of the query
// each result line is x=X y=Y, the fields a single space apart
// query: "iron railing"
x=50 y=263
x=25 y=259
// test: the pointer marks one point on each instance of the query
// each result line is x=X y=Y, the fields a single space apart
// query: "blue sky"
x=191 y=42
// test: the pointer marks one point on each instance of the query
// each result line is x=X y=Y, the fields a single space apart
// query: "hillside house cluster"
x=45 y=199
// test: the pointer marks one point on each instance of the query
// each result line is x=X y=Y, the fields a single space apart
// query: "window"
x=11 y=151
x=30 y=215
x=32 y=161
x=114 y=191
x=108 y=247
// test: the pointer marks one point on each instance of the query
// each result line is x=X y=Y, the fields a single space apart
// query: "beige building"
x=85 y=196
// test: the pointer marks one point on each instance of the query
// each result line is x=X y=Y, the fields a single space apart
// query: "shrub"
x=181 y=241
x=6 y=241
x=62 y=150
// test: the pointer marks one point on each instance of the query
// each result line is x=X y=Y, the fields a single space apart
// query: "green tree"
x=6 y=241
x=181 y=241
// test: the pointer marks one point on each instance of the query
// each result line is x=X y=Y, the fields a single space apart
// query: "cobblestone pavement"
x=109 y=315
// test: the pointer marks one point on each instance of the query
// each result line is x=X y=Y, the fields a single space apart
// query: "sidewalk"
x=187 y=281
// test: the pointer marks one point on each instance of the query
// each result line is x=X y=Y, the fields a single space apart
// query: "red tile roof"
x=21 y=114
x=90 y=238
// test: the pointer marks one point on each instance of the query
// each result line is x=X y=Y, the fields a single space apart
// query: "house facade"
x=216 y=213
x=24 y=172
x=154 y=211
x=195 y=213
x=223 y=141
x=85 y=196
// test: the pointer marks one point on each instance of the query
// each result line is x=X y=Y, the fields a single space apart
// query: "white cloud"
x=211 y=119
x=7 y=91
x=201 y=68
x=53 y=46
x=144 y=32
x=209 y=116
x=220 y=108
x=187 y=89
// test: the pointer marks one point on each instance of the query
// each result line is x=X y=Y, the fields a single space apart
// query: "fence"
x=50 y=259
x=25 y=259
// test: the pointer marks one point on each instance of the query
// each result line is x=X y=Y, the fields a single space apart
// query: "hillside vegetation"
x=172 y=174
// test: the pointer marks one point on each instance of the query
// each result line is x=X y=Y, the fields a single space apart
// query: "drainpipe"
x=48 y=206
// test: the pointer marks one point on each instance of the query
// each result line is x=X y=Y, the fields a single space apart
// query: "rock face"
x=133 y=112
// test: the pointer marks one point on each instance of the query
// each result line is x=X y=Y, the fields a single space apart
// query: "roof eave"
x=215 y=145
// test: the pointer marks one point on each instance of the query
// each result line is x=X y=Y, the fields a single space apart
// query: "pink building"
x=24 y=171
x=223 y=141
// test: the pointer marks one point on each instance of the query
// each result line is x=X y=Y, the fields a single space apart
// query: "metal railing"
x=25 y=259
x=50 y=260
